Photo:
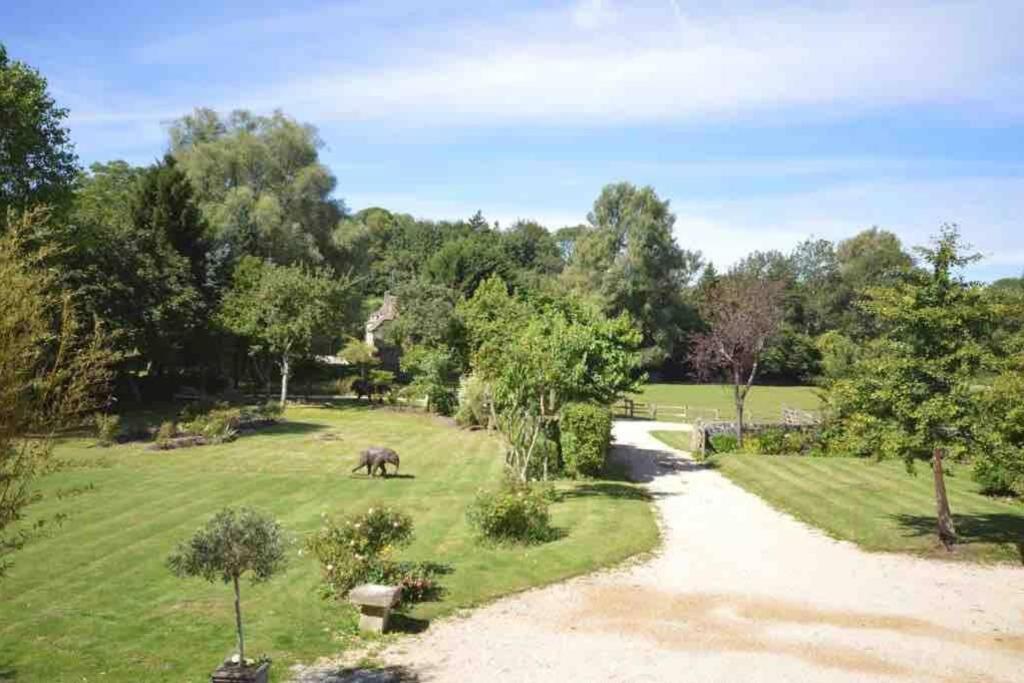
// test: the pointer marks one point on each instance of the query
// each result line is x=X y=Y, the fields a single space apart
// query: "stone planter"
x=233 y=673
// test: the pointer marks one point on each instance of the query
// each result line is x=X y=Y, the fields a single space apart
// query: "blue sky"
x=763 y=123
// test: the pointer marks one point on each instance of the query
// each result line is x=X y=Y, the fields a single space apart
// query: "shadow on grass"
x=384 y=674
x=8 y=674
x=380 y=478
x=999 y=528
x=286 y=427
x=606 y=489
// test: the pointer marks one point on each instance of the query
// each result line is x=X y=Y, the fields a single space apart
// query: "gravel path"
x=738 y=592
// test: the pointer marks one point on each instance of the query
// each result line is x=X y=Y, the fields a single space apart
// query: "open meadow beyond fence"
x=691 y=402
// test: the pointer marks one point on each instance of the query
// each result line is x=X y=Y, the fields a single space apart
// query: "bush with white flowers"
x=360 y=549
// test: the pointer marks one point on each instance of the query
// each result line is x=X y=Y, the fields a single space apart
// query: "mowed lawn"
x=763 y=402
x=878 y=505
x=94 y=601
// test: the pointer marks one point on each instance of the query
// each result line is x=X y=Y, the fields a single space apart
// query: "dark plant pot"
x=233 y=673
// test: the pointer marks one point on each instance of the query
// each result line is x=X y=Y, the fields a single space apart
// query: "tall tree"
x=260 y=184
x=911 y=395
x=53 y=369
x=37 y=160
x=742 y=314
x=629 y=257
x=283 y=310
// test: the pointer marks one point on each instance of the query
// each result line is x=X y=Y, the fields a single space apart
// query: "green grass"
x=94 y=601
x=702 y=400
x=878 y=505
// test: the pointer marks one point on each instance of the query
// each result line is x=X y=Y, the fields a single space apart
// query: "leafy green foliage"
x=108 y=426
x=586 y=435
x=282 y=310
x=517 y=514
x=165 y=434
x=360 y=549
x=54 y=372
x=999 y=459
x=259 y=184
x=537 y=356
x=724 y=443
x=216 y=426
x=37 y=159
x=630 y=260
x=231 y=544
x=434 y=372
x=475 y=402
x=911 y=391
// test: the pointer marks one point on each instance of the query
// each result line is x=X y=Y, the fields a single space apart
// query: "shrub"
x=217 y=426
x=724 y=443
x=168 y=430
x=199 y=408
x=772 y=441
x=107 y=428
x=512 y=514
x=230 y=545
x=586 y=435
x=358 y=549
x=271 y=410
x=474 y=402
x=1000 y=470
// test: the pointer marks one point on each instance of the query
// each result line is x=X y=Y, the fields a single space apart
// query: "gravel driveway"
x=738 y=592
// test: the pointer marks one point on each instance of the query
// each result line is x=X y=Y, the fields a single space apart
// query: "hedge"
x=586 y=434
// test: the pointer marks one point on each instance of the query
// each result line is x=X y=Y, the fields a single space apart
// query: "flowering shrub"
x=513 y=514
x=359 y=549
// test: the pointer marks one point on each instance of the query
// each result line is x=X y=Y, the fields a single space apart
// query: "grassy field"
x=878 y=505
x=702 y=400
x=94 y=601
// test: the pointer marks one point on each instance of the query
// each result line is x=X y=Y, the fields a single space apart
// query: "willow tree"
x=54 y=370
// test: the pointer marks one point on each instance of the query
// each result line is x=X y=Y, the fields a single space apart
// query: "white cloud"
x=635 y=69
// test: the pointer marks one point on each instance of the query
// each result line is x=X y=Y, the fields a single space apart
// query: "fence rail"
x=649 y=410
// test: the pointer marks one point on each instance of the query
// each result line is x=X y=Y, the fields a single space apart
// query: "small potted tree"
x=231 y=544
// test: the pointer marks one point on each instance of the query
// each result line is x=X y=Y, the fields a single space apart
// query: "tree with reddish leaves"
x=743 y=313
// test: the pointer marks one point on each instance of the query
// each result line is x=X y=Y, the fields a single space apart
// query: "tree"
x=910 y=395
x=871 y=258
x=260 y=184
x=629 y=257
x=282 y=310
x=37 y=159
x=135 y=248
x=228 y=546
x=539 y=356
x=53 y=369
x=742 y=313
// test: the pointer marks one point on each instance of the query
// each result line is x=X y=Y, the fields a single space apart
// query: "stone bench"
x=374 y=602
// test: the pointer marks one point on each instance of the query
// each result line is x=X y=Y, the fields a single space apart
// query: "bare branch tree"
x=743 y=313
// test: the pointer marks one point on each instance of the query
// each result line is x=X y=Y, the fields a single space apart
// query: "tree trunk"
x=947 y=532
x=286 y=369
x=738 y=398
x=238 y=624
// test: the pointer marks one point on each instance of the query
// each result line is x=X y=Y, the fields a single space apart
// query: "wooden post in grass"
x=947 y=532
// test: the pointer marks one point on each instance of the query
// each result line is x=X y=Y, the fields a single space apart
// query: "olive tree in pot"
x=231 y=544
